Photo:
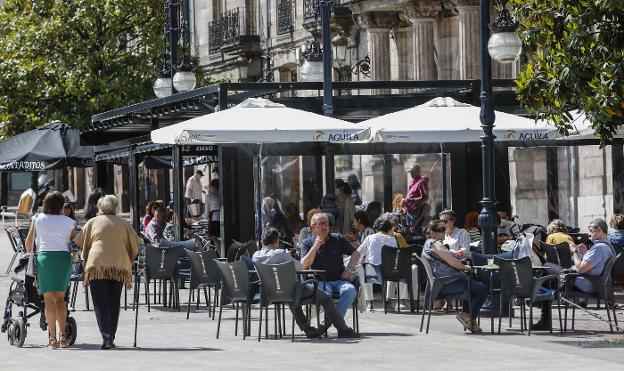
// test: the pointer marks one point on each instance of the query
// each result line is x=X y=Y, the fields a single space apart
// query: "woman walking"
x=53 y=232
x=109 y=246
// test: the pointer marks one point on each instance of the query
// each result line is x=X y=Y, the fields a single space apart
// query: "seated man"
x=325 y=251
x=156 y=226
x=272 y=254
x=592 y=262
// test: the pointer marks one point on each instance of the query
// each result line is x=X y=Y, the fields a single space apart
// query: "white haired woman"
x=109 y=246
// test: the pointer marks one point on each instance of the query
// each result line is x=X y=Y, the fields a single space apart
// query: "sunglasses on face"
x=440 y=230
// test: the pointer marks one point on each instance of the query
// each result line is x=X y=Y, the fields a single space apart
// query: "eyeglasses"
x=592 y=229
x=440 y=230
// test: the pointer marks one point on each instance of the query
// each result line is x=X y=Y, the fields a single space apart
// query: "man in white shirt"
x=194 y=190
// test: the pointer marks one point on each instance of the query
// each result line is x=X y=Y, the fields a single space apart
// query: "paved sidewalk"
x=167 y=341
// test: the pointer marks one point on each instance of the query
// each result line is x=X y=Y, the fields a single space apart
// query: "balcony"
x=285 y=22
x=215 y=37
x=239 y=32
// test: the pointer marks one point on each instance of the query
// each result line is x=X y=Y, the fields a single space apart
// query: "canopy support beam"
x=178 y=191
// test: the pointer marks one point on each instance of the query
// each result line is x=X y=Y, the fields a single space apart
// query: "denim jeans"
x=344 y=289
x=478 y=294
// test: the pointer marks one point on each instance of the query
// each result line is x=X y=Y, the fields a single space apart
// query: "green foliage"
x=576 y=61
x=70 y=59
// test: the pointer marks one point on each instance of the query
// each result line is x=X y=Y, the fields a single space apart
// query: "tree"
x=575 y=54
x=70 y=59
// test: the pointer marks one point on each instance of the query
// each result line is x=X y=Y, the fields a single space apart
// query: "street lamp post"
x=504 y=46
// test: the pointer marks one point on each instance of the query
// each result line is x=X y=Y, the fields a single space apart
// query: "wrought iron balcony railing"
x=310 y=9
x=215 y=37
x=236 y=23
x=285 y=22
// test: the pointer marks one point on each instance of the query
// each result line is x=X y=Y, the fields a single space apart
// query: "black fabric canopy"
x=53 y=146
x=165 y=162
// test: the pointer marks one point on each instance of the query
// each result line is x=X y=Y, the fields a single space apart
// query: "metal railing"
x=310 y=9
x=236 y=23
x=285 y=21
x=215 y=37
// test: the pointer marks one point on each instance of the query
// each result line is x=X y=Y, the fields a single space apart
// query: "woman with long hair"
x=91 y=208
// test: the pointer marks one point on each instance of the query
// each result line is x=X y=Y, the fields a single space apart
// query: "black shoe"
x=312 y=332
x=348 y=334
x=107 y=344
x=540 y=326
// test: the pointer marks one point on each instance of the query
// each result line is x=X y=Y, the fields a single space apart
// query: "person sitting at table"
x=270 y=253
x=370 y=253
x=325 y=251
x=616 y=232
x=471 y=225
x=592 y=261
x=457 y=239
x=557 y=233
x=362 y=227
x=149 y=213
x=445 y=264
x=157 y=225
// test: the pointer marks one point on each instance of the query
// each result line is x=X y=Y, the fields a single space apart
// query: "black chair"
x=235 y=285
x=558 y=254
x=75 y=280
x=434 y=287
x=617 y=275
x=162 y=263
x=603 y=290
x=517 y=281
x=278 y=286
x=238 y=249
x=204 y=275
x=396 y=266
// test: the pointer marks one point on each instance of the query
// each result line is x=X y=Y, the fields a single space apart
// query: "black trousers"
x=106 y=296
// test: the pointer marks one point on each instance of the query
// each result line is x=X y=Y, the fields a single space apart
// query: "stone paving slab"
x=166 y=340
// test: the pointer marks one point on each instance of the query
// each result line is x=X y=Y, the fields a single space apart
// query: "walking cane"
x=595 y=315
x=137 y=286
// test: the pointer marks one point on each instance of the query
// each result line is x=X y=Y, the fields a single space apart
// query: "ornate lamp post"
x=504 y=46
x=175 y=75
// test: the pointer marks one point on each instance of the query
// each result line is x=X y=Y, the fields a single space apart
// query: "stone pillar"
x=404 y=41
x=378 y=26
x=447 y=42
x=422 y=15
x=469 y=34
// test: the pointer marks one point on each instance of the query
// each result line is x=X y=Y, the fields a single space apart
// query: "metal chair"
x=204 y=274
x=24 y=207
x=517 y=281
x=433 y=291
x=396 y=266
x=162 y=263
x=236 y=288
x=17 y=244
x=237 y=249
x=278 y=286
x=558 y=254
x=603 y=289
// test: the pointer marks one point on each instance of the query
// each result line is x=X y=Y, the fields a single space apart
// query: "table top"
x=303 y=271
x=495 y=267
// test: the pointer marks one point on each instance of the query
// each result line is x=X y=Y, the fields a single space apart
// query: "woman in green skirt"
x=52 y=231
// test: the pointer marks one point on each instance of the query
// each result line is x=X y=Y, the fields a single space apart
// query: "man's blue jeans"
x=344 y=289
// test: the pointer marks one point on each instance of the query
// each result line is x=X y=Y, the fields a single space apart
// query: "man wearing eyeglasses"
x=591 y=261
x=325 y=251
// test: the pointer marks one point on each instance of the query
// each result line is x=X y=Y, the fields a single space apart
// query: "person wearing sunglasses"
x=445 y=264
x=457 y=239
x=592 y=261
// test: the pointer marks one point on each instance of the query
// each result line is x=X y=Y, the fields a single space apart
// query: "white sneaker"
x=370 y=306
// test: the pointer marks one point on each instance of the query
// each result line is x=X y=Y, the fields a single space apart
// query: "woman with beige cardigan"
x=109 y=247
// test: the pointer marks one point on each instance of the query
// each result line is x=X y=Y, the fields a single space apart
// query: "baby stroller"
x=23 y=297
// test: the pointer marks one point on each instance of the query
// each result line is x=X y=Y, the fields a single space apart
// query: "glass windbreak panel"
x=528 y=185
x=20 y=181
x=430 y=169
x=364 y=174
x=585 y=184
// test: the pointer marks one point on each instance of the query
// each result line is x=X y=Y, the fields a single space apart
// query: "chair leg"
x=198 y=296
x=8 y=270
x=86 y=288
x=573 y=314
x=125 y=298
x=260 y=323
x=219 y=321
x=559 y=311
x=244 y=320
x=530 y=316
x=565 y=318
x=425 y=304
x=411 y=295
x=236 y=322
x=292 y=329
x=398 y=288
x=266 y=322
x=429 y=314
x=383 y=296
x=609 y=317
x=147 y=295
x=500 y=314
x=283 y=318
x=188 y=305
x=550 y=304
x=275 y=320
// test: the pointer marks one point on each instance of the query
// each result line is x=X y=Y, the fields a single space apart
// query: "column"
x=378 y=26
x=422 y=15
x=469 y=31
x=404 y=41
x=447 y=46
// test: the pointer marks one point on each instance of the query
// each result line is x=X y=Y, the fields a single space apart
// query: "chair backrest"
x=396 y=262
x=204 y=269
x=279 y=282
x=26 y=201
x=605 y=276
x=237 y=249
x=161 y=262
x=516 y=275
x=558 y=254
x=14 y=238
x=428 y=269
x=235 y=279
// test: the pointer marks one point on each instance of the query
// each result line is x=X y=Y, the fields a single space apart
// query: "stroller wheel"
x=10 y=333
x=71 y=330
x=18 y=332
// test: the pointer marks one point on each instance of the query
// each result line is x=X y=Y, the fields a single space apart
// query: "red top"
x=417 y=188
